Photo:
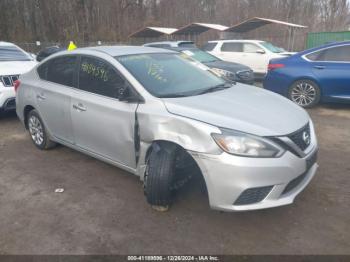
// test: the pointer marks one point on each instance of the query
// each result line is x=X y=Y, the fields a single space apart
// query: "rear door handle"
x=79 y=107
x=40 y=96
x=320 y=67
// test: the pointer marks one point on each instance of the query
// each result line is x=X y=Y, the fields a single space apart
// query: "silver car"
x=157 y=115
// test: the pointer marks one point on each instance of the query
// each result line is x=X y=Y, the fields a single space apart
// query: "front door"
x=257 y=61
x=102 y=124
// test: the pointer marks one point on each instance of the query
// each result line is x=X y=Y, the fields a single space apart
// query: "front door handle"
x=40 y=96
x=320 y=67
x=79 y=107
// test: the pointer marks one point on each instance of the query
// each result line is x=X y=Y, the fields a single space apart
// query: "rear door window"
x=232 y=47
x=338 y=54
x=334 y=54
x=61 y=70
x=99 y=77
x=42 y=71
x=159 y=45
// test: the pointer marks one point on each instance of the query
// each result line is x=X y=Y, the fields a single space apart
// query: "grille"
x=302 y=137
x=8 y=80
x=294 y=183
x=253 y=195
x=245 y=75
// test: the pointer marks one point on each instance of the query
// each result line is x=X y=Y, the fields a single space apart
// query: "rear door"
x=53 y=95
x=102 y=124
x=232 y=52
x=332 y=68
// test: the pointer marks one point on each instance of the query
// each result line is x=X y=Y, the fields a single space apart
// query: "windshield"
x=13 y=53
x=200 y=55
x=272 y=48
x=169 y=75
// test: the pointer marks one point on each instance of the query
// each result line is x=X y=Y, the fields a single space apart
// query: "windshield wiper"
x=215 y=88
x=172 y=95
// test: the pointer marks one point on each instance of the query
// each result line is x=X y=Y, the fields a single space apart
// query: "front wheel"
x=305 y=93
x=38 y=132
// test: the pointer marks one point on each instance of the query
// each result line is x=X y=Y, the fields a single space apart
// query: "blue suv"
x=316 y=75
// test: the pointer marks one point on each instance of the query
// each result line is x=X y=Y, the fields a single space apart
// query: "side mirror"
x=260 y=51
x=125 y=93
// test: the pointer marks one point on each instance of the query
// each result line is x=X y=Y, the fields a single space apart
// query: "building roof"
x=150 y=31
x=256 y=22
x=198 y=28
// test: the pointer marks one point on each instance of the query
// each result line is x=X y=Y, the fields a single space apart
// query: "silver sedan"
x=163 y=118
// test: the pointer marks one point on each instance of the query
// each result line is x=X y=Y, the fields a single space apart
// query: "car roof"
x=2 y=43
x=123 y=50
x=323 y=47
x=171 y=43
x=236 y=40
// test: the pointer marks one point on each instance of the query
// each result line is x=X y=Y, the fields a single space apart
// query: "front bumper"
x=281 y=179
x=7 y=98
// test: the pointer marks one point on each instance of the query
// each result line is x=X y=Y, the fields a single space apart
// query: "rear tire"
x=37 y=131
x=305 y=93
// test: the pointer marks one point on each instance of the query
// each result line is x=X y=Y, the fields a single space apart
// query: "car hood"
x=16 y=67
x=232 y=67
x=244 y=108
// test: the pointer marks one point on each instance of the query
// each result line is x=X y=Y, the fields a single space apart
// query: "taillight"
x=275 y=66
x=16 y=85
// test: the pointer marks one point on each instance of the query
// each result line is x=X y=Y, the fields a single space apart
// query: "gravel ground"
x=103 y=209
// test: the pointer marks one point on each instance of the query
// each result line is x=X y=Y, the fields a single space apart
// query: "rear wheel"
x=305 y=93
x=38 y=132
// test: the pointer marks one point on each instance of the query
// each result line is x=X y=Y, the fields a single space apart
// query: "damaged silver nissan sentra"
x=157 y=115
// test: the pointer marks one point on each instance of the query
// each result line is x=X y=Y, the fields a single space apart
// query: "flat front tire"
x=38 y=132
x=159 y=178
x=305 y=93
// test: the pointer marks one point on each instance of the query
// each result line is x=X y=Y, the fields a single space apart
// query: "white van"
x=253 y=53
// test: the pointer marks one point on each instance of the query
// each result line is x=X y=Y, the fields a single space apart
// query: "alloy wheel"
x=36 y=130
x=304 y=94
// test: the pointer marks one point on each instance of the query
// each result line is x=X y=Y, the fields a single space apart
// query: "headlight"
x=224 y=73
x=241 y=144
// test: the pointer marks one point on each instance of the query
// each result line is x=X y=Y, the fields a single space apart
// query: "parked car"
x=157 y=115
x=13 y=62
x=316 y=75
x=46 y=52
x=232 y=71
x=255 y=54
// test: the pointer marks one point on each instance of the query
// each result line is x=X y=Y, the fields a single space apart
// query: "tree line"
x=87 y=21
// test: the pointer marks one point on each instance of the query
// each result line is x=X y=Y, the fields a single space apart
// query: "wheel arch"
x=26 y=111
x=158 y=144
